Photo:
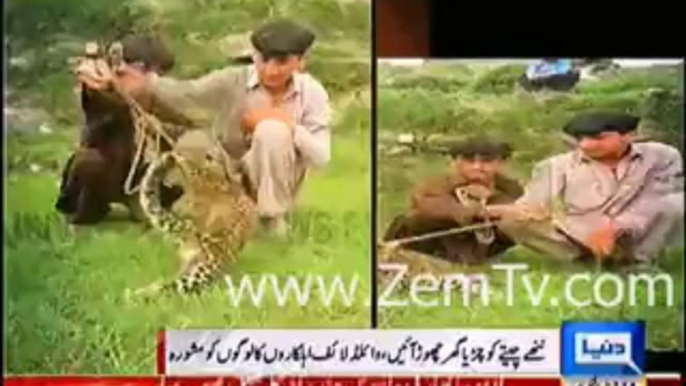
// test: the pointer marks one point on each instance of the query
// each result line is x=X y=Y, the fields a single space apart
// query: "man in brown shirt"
x=458 y=198
x=271 y=115
x=610 y=197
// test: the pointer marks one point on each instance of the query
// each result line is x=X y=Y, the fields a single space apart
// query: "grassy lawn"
x=66 y=309
x=458 y=100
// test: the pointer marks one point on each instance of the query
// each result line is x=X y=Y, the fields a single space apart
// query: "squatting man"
x=610 y=198
x=271 y=115
x=620 y=199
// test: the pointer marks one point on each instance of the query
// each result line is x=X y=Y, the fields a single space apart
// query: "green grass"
x=477 y=99
x=663 y=320
x=66 y=305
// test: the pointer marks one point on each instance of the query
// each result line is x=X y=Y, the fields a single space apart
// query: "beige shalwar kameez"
x=644 y=197
x=276 y=158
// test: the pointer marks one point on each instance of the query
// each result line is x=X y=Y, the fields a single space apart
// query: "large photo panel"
x=179 y=165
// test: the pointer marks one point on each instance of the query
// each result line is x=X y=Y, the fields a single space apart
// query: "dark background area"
x=465 y=29
x=402 y=28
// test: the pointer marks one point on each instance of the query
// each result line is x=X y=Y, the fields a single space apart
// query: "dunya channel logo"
x=597 y=349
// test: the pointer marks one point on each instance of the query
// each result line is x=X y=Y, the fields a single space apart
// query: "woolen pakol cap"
x=281 y=38
x=593 y=123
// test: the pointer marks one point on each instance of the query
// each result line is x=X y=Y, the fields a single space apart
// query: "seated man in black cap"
x=270 y=115
x=458 y=199
x=619 y=199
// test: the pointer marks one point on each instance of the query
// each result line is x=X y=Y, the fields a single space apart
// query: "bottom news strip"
x=323 y=381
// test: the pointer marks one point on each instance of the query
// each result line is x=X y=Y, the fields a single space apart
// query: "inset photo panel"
x=524 y=193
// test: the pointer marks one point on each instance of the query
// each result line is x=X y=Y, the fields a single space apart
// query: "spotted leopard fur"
x=222 y=217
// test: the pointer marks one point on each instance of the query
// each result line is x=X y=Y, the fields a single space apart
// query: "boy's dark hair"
x=482 y=147
x=148 y=49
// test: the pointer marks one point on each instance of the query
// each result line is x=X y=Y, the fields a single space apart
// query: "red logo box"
x=374 y=381
x=201 y=381
x=286 y=381
x=532 y=382
x=403 y=381
x=258 y=382
x=345 y=381
x=478 y=382
x=438 y=381
x=315 y=381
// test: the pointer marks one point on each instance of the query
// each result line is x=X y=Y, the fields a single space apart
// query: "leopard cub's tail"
x=162 y=219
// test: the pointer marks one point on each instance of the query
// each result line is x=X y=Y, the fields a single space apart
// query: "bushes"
x=340 y=75
x=438 y=83
x=39 y=23
x=663 y=114
x=633 y=80
x=532 y=121
x=501 y=79
x=423 y=109
x=44 y=34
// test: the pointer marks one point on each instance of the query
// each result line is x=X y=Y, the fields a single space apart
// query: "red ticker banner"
x=308 y=381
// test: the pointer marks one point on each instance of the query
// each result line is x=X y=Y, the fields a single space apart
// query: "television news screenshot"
x=302 y=193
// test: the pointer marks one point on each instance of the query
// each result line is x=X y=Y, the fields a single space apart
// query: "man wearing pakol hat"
x=619 y=199
x=270 y=115
x=458 y=199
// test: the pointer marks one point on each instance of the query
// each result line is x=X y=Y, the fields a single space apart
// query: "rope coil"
x=485 y=236
x=484 y=232
x=427 y=236
x=147 y=126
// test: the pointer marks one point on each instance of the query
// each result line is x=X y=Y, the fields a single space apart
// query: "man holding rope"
x=94 y=175
x=270 y=115
x=617 y=199
x=445 y=209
